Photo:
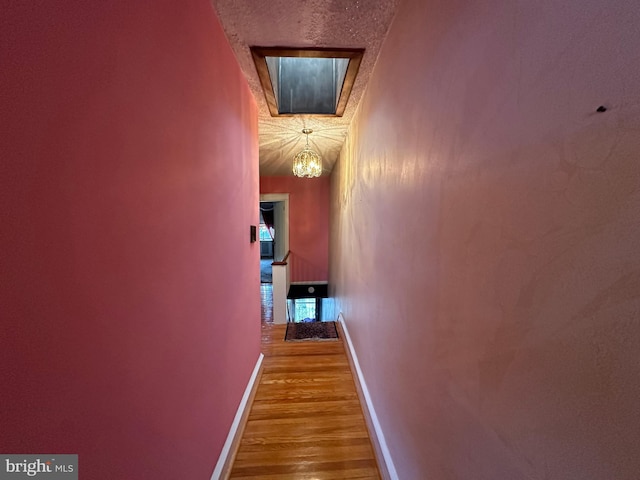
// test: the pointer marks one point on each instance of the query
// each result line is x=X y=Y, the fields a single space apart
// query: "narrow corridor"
x=306 y=420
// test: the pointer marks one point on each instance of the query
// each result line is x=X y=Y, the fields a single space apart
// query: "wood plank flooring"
x=306 y=421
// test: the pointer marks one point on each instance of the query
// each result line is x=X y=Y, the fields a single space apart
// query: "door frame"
x=284 y=198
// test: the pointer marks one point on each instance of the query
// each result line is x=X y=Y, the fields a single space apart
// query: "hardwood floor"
x=266 y=302
x=306 y=421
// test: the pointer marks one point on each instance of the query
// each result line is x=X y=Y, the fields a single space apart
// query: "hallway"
x=476 y=222
x=306 y=420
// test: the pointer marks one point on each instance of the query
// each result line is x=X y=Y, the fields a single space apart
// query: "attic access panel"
x=307 y=81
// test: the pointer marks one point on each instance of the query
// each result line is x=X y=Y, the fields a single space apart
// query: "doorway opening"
x=267 y=234
x=274 y=245
x=273 y=231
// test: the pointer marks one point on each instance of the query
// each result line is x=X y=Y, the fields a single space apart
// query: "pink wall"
x=308 y=224
x=129 y=290
x=485 y=233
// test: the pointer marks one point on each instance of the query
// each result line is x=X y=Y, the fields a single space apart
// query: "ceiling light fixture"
x=307 y=163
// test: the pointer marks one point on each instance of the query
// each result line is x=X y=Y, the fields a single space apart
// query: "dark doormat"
x=298 y=332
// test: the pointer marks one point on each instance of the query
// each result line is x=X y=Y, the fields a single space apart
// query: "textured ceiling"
x=304 y=23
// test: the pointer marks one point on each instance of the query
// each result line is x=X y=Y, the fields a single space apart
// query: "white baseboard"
x=224 y=459
x=382 y=444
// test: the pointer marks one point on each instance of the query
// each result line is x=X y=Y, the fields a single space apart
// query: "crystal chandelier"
x=307 y=163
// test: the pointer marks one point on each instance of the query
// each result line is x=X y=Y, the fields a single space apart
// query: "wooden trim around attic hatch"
x=259 y=55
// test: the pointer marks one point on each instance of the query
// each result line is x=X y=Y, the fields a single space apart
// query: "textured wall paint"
x=129 y=292
x=485 y=233
x=308 y=224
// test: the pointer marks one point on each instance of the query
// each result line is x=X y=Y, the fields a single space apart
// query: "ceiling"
x=304 y=23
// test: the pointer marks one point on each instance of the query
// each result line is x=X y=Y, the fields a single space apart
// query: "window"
x=266 y=233
x=306 y=81
x=305 y=309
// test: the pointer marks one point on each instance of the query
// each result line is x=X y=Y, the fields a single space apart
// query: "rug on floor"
x=298 y=332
